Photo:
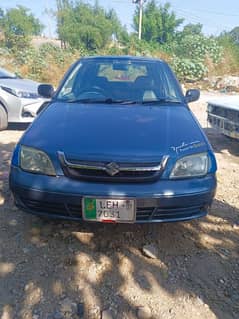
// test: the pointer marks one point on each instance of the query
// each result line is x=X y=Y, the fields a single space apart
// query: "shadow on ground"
x=222 y=143
x=43 y=263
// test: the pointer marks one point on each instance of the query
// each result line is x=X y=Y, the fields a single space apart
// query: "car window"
x=120 y=80
x=67 y=89
x=4 y=74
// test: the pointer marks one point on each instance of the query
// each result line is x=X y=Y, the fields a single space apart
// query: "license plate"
x=109 y=210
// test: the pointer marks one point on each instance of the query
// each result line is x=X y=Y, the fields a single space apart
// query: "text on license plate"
x=101 y=209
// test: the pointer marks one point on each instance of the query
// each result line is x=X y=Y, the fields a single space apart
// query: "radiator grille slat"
x=65 y=209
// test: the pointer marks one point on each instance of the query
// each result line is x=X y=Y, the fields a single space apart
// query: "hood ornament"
x=112 y=168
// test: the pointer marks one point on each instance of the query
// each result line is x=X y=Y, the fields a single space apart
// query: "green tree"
x=192 y=29
x=20 y=21
x=234 y=34
x=1 y=19
x=18 y=25
x=63 y=8
x=119 y=31
x=159 y=22
x=230 y=44
x=89 y=26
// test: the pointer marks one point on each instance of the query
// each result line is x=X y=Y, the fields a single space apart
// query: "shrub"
x=198 y=47
x=189 y=70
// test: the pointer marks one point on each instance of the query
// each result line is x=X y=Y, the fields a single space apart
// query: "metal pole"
x=140 y=17
x=140 y=3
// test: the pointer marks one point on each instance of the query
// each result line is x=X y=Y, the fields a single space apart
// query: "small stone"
x=150 y=251
x=106 y=314
x=80 y=310
x=35 y=317
x=200 y=301
x=26 y=250
x=144 y=312
x=68 y=306
x=27 y=287
x=58 y=315
x=94 y=313
x=4 y=175
x=13 y=222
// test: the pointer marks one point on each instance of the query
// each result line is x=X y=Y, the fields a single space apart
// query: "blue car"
x=117 y=143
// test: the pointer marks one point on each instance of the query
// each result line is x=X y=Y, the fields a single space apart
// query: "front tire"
x=3 y=118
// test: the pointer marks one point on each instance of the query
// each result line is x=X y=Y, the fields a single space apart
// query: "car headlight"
x=36 y=161
x=210 y=108
x=21 y=94
x=191 y=166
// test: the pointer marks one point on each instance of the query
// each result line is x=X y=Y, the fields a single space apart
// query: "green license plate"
x=109 y=210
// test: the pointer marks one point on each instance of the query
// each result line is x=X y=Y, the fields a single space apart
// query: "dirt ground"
x=54 y=270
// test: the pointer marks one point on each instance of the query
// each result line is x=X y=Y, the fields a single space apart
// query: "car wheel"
x=3 y=118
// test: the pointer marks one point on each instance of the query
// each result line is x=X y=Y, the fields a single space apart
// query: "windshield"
x=125 y=81
x=4 y=74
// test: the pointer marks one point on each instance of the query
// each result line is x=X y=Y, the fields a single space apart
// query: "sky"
x=215 y=15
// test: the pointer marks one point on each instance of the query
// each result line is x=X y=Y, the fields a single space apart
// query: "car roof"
x=123 y=58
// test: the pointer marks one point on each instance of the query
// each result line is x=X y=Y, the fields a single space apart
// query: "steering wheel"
x=94 y=90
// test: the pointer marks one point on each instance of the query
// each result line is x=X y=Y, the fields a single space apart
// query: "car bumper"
x=25 y=111
x=161 y=201
x=224 y=125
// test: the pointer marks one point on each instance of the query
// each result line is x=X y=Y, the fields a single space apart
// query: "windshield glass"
x=120 y=81
x=4 y=74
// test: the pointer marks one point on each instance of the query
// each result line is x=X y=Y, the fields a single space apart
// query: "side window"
x=166 y=82
x=169 y=88
x=66 y=90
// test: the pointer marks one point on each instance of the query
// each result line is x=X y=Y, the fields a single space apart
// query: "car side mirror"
x=46 y=90
x=192 y=95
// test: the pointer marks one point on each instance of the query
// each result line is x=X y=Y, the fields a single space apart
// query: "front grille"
x=156 y=213
x=224 y=125
x=59 y=209
x=223 y=118
x=143 y=214
x=112 y=172
x=102 y=176
x=231 y=115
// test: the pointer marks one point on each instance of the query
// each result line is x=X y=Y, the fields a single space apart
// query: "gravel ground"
x=54 y=270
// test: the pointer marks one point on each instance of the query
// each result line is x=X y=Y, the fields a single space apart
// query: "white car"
x=223 y=115
x=19 y=99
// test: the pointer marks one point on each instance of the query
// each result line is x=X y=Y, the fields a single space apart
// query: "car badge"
x=112 y=168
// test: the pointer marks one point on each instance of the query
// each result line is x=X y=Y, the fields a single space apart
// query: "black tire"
x=3 y=119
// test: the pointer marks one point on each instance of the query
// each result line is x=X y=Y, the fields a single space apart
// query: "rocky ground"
x=54 y=270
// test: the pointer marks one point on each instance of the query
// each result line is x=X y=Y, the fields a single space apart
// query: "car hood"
x=116 y=132
x=20 y=84
x=229 y=102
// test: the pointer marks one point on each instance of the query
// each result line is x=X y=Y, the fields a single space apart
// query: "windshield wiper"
x=103 y=101
x=160 y=101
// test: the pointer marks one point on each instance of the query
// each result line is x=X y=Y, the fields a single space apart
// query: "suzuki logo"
x=112 y=168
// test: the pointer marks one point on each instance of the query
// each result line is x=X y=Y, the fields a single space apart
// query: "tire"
x=3 y=118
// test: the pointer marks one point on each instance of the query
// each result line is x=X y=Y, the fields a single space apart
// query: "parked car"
x=19 y=99
x=223 y=115
x=117 y=143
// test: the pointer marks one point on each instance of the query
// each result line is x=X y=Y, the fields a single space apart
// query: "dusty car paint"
x=115 y=150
